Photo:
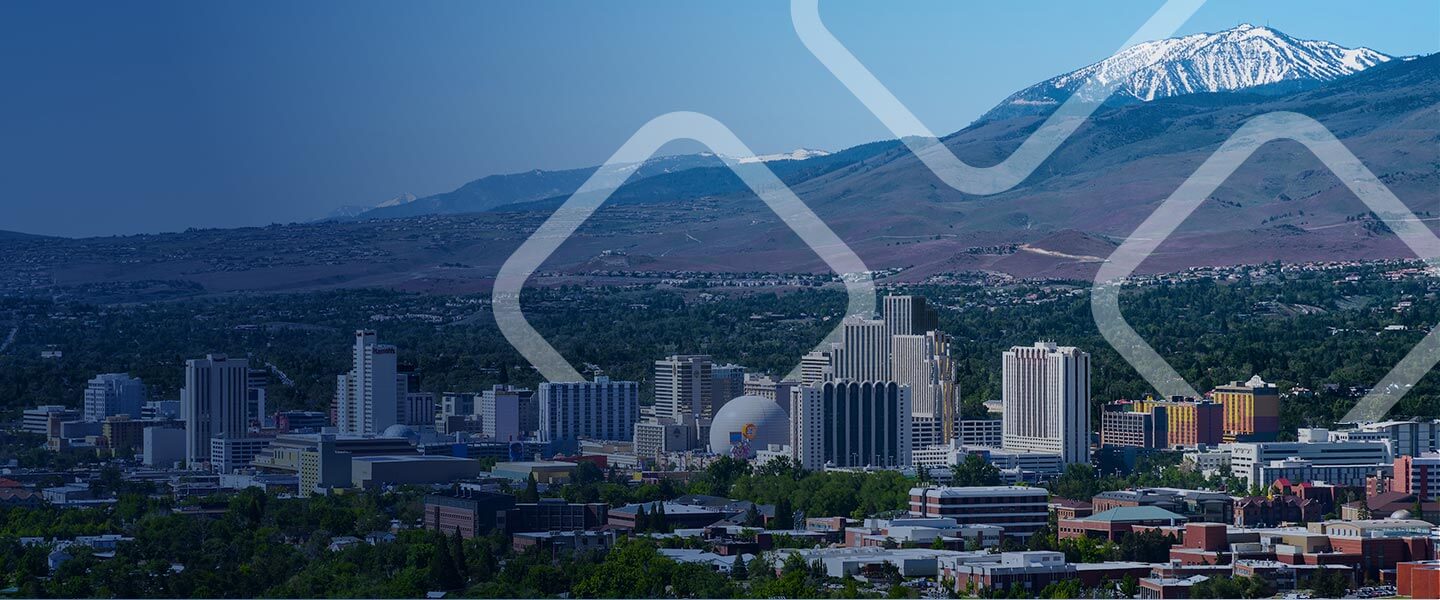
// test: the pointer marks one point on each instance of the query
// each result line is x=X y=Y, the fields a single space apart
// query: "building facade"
x=1046 y=396
x=851 y=424
x=683 y=385
x=212 y=402
x=1252 y=410
x=114 y=394
x=368 y=399
x=600 y=409
x=1021 y=511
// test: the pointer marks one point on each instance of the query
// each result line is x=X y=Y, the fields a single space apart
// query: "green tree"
x=442 y=565
x=974 y=470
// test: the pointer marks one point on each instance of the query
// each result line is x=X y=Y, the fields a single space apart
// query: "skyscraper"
x=908 y=315
x=851 y=424
x=369 y=398
x=816 y=367
x=212 y=402
x=727 y=382
x=114 y=394
x=864 y=352
x=1046 y=396
x=600 y=409
x=255 y=390
x=683 y=385
x=922 y=362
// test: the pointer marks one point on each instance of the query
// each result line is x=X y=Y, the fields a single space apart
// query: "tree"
x=642 y=520
x=784 y=515
x=532 y=490
x=739 y=571
x=974 y=471
x=752 y=517
x=442 y=565
x=659 y=522
x=1330 y=584
x=1129 y=586
x=457 y=550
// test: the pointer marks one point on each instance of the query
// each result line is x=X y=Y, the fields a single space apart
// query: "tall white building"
x=851 y=424
x=683 y=386
x=600 y=409
x=816 y=367
x=114 y=394
x=864 y=352
x=923 y=362
x=369 y=398
x=908 y=315
x=212 y=402
x=1046 y=396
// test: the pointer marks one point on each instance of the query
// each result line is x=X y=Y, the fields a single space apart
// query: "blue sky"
x=158 y=116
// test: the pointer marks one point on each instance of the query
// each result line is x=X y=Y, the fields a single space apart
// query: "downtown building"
x=507 y=413
x=599 y=410
x=369 y=399
x=1258 y=462
x=113 y=394
x=851 y=424
x=1046 y=399
x=1020 y=511
x=923 y=363
x=1252 y=410
x=212 y=403
x=683 y=386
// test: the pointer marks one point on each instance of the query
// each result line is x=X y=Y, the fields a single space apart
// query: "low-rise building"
x=1021 y=511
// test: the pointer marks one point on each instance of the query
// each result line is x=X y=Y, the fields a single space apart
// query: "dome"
x=399 y=430
x=747 y=424
x=1400 y=514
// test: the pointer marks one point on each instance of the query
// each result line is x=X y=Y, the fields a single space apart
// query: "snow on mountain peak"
x=797 y=154
x=1245 y=56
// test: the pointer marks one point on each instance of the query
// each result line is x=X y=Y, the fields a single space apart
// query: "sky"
x=121 y=118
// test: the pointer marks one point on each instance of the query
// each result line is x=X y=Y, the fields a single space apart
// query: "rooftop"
x=1135 y=513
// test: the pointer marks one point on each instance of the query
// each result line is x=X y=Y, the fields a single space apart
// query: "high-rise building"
x=255 y=389
x=864 y=352
x=1252 y=410
x=908 y=315
x=683 y=385
x=368 y=399
x=508 y=413
x=923 y=363
x=212 y=402
x=727 y=382
x=1121 y=425
x=1046 y=396
x=113 y=394
x=766 y=386
x=1189 y=422
x=419 y=409
x=600 y=410
x=846 y=423
x=817 y=367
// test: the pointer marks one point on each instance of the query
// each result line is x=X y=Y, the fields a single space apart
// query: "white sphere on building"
x=747 y=424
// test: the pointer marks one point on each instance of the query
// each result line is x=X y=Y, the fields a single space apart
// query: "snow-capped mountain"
x=797 y=154
x=1244 y=57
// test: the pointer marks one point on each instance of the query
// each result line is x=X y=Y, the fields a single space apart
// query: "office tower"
x=599 y=410
x=727 y=382
x=1121 y=425
x=113 y=394
x=1046 y=396
x=864 y=352
x=1189 y=422
x=908 y=315
x=851 y=424
x=368 y=398
x=683 y=386
x=923 y=363
x=420 y=409
x=508 y=413
x=816 y=367
x=212 y=402
x=766 y=386
x=256 y=383
x=1252 y=410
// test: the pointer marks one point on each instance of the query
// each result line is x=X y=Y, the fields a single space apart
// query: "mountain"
x=678 y=176
x=1246 y=57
